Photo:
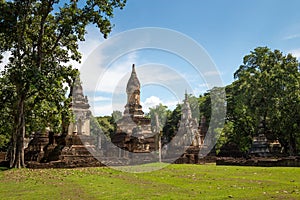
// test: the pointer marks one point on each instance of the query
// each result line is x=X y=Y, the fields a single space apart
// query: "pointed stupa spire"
x=185 y=95
x=133 y=68
x=133 y=106
x=186 y=109
x=133 y=82
x=78 y=98
x=77 y=89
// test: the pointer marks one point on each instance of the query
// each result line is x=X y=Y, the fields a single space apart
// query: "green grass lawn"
x=172 y=182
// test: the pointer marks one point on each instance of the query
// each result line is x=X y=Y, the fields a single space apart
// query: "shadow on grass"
x=4 y=165
x=3 y=169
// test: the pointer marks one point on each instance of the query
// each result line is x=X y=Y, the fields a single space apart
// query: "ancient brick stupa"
x=260 y=144
x=80 y=108
x=75 y=148
x=133 y=129
x=188 y=125
x=188 y=145
x=79 y=143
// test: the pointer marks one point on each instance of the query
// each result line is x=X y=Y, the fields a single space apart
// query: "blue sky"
x=226 y=29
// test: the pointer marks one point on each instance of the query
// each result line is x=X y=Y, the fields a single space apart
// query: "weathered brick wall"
x=2 y=156
x=263 y=162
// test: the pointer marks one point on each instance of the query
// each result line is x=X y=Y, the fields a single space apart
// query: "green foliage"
x=95 y=128
x=105 y=124
x=162 y=113
x=171 y=125
x=42 y=37
x=200 y=106
x=205 y=106
x=116 y=116
x=194 y=105
x=4 y=141
x=266 y=92
x=7 y=97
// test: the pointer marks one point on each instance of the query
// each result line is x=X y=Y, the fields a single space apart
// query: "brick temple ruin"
x=134 y=136
x=189 y=146
x=134 y=132
x=75 y=148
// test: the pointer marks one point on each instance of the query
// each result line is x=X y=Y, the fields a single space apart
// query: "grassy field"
x=172 y=182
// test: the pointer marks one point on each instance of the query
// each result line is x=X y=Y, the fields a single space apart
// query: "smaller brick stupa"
x=74 y=149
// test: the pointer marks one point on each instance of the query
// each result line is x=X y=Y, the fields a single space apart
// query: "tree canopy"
x=42 y=37
x=266 y=93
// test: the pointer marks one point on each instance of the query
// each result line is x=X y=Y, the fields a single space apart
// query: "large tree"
x=42 y=37
x=162 y=113
x=7 y=96
x=266 y=96
x=171 y=126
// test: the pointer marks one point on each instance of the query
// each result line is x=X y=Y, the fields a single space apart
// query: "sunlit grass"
x=171 y=182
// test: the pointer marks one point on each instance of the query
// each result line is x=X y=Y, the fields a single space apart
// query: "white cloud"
x=148 y=74
x=290 y=37
x=100 y=98
x=153 y=101
x=170 y=104
x=104 y=66
x=296 y=53
x=92 y=40
x=150 y=102
x=113 y=79
x=106 y=108
x=200 y=89
x=101 y=110
x=212 y=73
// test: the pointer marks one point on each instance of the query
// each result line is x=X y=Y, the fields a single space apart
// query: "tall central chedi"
x=134 y=131
x=133 y=107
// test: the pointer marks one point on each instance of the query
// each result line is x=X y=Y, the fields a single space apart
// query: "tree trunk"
x=64 y=124
x=292 y=144
x=159 y=147
x=17 y=151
